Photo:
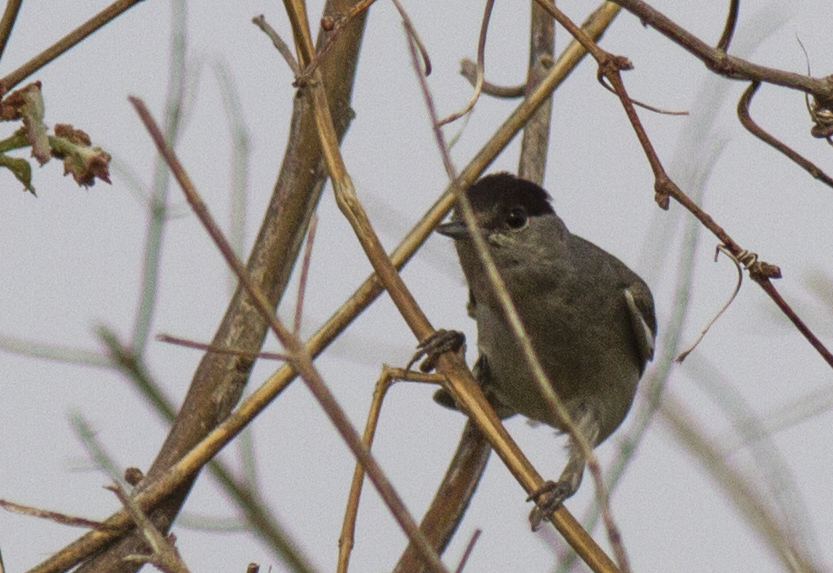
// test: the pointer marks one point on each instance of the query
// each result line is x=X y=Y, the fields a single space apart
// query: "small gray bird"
x=589 y=317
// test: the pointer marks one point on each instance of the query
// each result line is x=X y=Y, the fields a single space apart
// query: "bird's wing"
x=643 y=321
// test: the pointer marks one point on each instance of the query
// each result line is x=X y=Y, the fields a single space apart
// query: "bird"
x=589 y=317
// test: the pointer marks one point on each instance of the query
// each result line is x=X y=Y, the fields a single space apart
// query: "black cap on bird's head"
x=499 y=200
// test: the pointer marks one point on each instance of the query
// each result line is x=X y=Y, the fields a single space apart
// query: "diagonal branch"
x=719 y=62
x=219 y=379
x=101 y=19
x=761 y=272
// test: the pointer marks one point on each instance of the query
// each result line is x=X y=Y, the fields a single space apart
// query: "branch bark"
x=219 y=379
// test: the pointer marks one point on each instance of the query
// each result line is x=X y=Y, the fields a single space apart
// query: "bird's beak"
x=453 y=229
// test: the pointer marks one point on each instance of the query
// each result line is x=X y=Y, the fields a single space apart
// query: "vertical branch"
x=535 y=140
x=219 y=379
x=460 y=481
x=158 y=202
x=386 y=380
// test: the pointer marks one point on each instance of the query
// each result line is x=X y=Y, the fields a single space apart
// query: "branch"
x=761 y=272
x=219 y=379
x=101 y=19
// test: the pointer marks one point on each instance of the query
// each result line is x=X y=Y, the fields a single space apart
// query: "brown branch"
x=761 y=272
x=535 y=140
x=302 y=281
x=479 y=66
x=98 y=21
x=423 y=51
x=211 y=348
x=54 y=516
x=468 y=70
x=7 y=23
x=756 y=130
x=219 y=379
x=721 y=63
x=729 y=27
x=348 y=529
x=280 y=45
x=465 y=469
x=183 y=470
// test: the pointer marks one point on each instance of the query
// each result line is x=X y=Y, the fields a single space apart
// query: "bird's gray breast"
x=581 y=334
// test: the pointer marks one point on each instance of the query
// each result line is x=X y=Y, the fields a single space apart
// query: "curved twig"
x=610 y=66
x=481 y=55
x=468 y=70
x=746 y=120
x=729 y=28
x=720 y=248
x=423 y=51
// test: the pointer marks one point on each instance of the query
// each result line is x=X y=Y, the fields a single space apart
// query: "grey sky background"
x=72 y=260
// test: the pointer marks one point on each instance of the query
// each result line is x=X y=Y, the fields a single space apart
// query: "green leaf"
x=21 y=170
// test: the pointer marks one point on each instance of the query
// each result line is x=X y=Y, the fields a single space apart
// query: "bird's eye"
x=516 y=218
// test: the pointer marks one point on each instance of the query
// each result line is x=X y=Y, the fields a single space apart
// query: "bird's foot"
x=547 y=498
x=440 y=342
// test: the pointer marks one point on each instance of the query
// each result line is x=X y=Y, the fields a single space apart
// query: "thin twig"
x=532 y=163
x=219 y=350
x=481 y=57
x=157 y=206
x=822 y=115
x=643 y=105
x=729 y=27
x=720 y=248
x=7 y=23
x=468 y=70
x=62 y=518
x=756 y=130
x=554 y=402
x=280 y=45
x=302 y=282
x=423 y=51
x=348 y=528
x=104 y=17
x=298 y=355
x=469 y=548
